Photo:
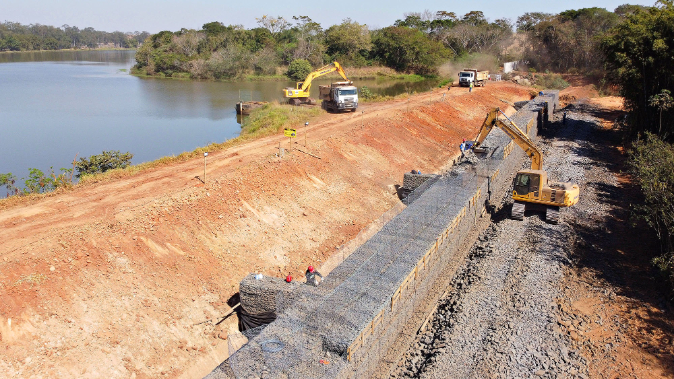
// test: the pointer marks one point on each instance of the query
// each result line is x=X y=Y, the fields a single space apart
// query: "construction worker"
x=471 y=87
x=462 y=147
x=312 y=275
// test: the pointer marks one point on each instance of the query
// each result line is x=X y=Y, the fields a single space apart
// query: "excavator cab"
x=527 y=184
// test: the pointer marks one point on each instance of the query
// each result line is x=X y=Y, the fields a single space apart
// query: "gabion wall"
x=344 y=327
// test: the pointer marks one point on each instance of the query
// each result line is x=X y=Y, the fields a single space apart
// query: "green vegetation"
x=409 y=50
x=639 y=55
x=550 y=81
x=566 y=41
x=652 y=166
x=419 y=44
x=299 y=69
x=273 y=117
x=108 y=160
x=37 y=182
x=17 y=37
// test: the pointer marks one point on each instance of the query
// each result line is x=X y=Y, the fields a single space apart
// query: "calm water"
x=54 y=105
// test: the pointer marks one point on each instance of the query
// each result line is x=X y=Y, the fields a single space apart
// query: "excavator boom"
x=302 y=88
x=531 y=189
x=514 y=132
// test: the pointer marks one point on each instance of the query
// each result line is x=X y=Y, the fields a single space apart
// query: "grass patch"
x=446 y=82
x=266 y=78
x=273 y=117
x=550 y=81
x=122 y=70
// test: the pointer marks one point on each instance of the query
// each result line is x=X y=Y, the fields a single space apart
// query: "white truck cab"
x=471 y=75
x=339 y=96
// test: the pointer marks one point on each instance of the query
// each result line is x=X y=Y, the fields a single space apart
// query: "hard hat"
x=464 y=140
x=289 y=278
x=311 y=268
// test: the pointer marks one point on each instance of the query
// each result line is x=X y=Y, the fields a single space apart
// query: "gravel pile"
x=500 y=317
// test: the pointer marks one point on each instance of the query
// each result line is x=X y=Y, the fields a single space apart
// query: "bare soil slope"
x=121 y=279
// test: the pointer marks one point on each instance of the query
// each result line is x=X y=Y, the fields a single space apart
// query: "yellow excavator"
x=531 y=189
x=300 y=94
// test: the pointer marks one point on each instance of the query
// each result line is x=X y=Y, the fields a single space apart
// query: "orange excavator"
x=300 y=94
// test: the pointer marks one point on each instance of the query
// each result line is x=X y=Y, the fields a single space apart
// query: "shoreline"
x=62 y=50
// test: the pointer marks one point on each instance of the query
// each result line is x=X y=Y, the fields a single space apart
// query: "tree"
x=651 y=163
x=187 y=42
x=628 y=9
x=213 y=28
x=230 y=62
x=663 y=102
x=108 y=160
x=309 y=45
x=528 y=21
x=348 y=42
x=266 y=61
x=410 y=50
x=299 y=69
x=474 y=18
x=274 y=25
x=639 y=55
x=569 y=40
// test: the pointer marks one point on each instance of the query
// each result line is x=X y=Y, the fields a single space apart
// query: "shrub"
x=9 y=181
x=299 y=69
x=445 y=82
x=365 y=93
x=108 y=160
x=38 y=182
x=551 y=81
x=651 y=162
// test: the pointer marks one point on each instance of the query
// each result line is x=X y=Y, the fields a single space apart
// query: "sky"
x=157 y=15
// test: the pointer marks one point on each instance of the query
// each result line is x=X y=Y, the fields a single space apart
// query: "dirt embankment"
x=121 y=279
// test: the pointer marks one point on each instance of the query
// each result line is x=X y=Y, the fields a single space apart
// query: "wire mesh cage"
x=344 y=327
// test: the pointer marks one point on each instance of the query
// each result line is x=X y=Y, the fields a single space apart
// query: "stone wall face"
x=259 y=295
x=352 y=319
x=413 y=181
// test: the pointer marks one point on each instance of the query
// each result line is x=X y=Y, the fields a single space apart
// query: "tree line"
x=17 y=37
x=418 y=44
x=631 y=48
x=638 y=57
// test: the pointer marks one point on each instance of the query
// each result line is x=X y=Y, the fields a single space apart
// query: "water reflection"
x=82 y=56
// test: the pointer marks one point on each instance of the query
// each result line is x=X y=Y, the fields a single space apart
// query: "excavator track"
x=552 y=215
x=517 y=211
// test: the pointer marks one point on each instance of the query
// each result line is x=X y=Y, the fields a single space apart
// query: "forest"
x=418 y=44
x=17 y=37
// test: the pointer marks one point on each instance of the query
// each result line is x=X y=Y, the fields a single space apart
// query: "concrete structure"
x=344 y=328
x=510 y=66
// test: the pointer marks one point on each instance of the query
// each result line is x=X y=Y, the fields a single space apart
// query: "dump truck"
x=532 y=189
x=300 y=94
x=471 y=75
x=339 y=96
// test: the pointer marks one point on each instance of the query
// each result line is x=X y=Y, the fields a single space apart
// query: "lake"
x=56 y=105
